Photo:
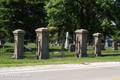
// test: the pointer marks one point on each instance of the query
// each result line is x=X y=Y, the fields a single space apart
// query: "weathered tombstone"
x=97 y=44
x=81 y=43
x=114 y=45
x=18 y=43
x=42 y=49
x=107 y=41
x=71 y=48
x=67 y=40
x=102 y=46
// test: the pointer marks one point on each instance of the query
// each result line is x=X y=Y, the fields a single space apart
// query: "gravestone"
x=18 y=43
x=67 y=40
x=114 y=45
x=42 y=49
x=71 y=48
x=107 y=41
x=102 y=46
x=81 y=43
x=97 y=44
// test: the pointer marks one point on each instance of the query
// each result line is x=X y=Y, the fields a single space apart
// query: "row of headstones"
x=42 y=41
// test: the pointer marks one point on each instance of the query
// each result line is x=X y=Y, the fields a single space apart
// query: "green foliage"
x=22 y=14
x=80 y=14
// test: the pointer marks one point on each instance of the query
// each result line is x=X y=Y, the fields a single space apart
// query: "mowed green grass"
x=7 y=51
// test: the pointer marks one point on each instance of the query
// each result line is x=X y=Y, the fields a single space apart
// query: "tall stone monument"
x=97 y=44
x=67 y=40
x=42 y=41
x=81 y=43
x=107 y=41
x=18 y=43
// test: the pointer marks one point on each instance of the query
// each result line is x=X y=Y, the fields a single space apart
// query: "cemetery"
x=54 y=32
x=42 y=49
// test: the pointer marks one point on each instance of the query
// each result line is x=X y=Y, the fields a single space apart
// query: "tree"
x=22 y=14
x=80 y=14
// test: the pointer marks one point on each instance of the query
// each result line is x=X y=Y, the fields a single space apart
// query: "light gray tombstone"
x=67 y=40
x=42 y=49
x=81 y=43
x=71 y=48
x=114 y=45
x=107 y=41
x=97 y=44
x=18 y=43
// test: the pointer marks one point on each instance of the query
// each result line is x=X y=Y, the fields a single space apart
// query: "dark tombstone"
x=102 y=46
x=25 y=42
x=71 y=48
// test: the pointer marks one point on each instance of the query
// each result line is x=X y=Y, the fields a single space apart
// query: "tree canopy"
x=22 y=14
x=67 y=15
x=81 y=14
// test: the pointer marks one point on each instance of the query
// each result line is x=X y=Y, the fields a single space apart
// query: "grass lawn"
x=7 y=51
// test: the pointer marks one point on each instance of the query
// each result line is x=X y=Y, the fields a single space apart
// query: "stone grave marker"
x=67 y=40
x=71 y=48
x=102 y=46
x=114 y=45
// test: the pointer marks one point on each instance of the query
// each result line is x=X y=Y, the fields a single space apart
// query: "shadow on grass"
x=10 y=50
x=1 y=46
x=55 y=50
x=110 y=55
